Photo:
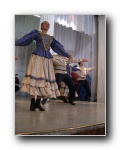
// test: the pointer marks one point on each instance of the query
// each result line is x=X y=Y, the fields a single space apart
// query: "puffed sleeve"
x=26 y=39
x=58 y=48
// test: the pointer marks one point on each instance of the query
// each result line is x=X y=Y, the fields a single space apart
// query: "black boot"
x=32 y=104
x=38 y=105
x=88 y=98
x=64 y=99
x=71 y=102
x=44 y=101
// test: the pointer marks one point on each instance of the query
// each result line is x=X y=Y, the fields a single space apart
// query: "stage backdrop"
x=83 y=36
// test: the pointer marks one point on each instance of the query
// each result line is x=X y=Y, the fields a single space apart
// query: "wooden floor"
x=59 y=118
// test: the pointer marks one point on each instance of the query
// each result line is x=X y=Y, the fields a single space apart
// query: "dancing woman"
x=39 y=81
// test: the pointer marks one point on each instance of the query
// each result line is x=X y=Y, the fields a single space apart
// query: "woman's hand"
x=84 y=60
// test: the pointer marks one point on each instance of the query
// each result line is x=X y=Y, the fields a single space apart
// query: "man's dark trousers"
x=68 y=81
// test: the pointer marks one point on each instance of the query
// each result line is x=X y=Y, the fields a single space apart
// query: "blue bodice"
x=42 y=48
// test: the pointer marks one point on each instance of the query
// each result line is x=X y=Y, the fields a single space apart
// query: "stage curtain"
x=78 y=34
x=23 y=25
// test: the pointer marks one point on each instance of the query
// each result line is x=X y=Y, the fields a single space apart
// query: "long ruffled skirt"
x=40 y=78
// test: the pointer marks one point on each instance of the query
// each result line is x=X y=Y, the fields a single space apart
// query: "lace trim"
x=46 y=44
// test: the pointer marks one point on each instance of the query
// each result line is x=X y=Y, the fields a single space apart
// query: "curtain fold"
x=81 y=23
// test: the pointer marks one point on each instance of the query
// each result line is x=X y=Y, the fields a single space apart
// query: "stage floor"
x=59 y=118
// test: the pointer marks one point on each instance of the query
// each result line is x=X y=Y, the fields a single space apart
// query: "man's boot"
x=71 y=102
x=44 y=101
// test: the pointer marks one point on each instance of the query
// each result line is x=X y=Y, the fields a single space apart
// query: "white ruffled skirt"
x=40 y=78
